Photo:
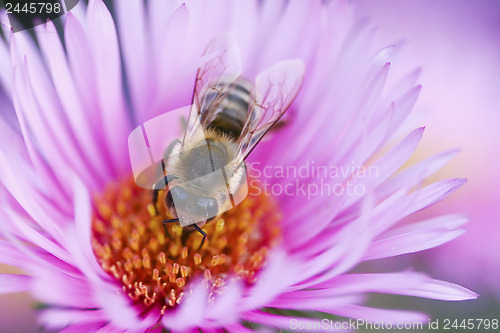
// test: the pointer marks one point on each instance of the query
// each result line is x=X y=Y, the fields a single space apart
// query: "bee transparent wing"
x=213 y=80
x=275 y=90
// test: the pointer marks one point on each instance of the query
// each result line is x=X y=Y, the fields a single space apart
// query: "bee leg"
x=166 y=178
x=155 y=200
x=164 y=223
x=201 y=232
x=159 y=186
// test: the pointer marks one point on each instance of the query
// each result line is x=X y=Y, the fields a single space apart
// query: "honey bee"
x=229 y=116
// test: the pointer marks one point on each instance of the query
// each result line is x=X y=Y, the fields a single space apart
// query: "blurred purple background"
x=457 y=44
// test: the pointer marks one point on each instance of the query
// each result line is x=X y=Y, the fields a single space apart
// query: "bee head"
x=190 y=208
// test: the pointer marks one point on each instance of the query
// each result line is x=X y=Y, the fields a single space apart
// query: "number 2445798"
x=33 y=8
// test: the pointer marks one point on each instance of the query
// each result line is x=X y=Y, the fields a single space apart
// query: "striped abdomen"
x=233 y=110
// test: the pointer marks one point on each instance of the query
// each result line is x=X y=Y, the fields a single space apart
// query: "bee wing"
x=275 y=90
x=214 y=77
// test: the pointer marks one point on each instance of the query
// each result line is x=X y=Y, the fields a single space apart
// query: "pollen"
x=154 y=265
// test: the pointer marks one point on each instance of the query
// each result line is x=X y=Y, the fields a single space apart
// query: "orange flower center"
x=154 y=266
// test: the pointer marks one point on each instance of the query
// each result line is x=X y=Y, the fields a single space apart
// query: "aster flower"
x=97 y=258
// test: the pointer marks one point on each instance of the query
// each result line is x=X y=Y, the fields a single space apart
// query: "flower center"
x=154 y=266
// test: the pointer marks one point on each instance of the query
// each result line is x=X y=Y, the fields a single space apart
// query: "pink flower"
x=82 y=231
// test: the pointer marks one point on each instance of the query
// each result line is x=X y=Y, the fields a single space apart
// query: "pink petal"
x=12 y=283
x=415 y=173
x=280 y=273
x=159 y=12
x=404 y=105
x=27 y=232
x=83 y=68
x=410 y=243
x=84 y=327
x=10 y=256
x=304 y=302
x=404 y=87
x=78 y=236
x=224 y=310
x=174 y=82
x=15 y=180
x=11 y=128
x=433 y=193
x=404 y=283
x=389 y=163
x=364 y=106
x=70 y=101
x=244 y=30
x=5 y=69
x=119 y=309
x=238 y=328
x=442 y=290
x=57 y=318
x=69 y=291
x=45 y=100
x=135 y=50
x=417 y=237
x=191 y=311
x=328 y=264
x=34 y=255
x=380 y=315
x=280 y=322
x=115 y=119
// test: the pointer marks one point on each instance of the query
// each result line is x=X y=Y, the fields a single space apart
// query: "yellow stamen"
x=154 y=267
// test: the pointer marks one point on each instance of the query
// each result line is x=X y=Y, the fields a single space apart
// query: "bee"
x=229 y=116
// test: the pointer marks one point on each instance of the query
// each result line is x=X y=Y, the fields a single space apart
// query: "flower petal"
x=417 y=237
x=55 y=318
x=388 y=164
x=141 y=78
x=10 y=256
x=69 y=291
x=190 y=313
x=315 y=304
x=5 y=69
x=381 y=315
x=12 y=283
x=442 y=290
x=415 y=173
x=279 y=273
x=282 y=322
x=119 y=309
x=433 y=193
x=224 y=310
x=78 y=236
x=114 y=116
x=70 y=100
